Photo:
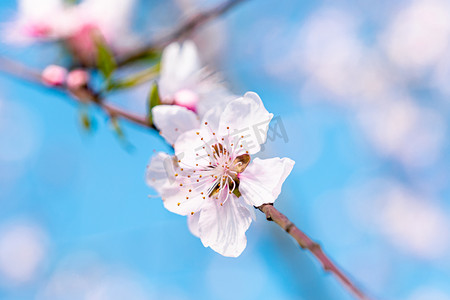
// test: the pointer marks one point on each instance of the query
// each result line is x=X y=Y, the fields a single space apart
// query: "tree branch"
x=33 y=76
x=181 y=31
x=272 y=214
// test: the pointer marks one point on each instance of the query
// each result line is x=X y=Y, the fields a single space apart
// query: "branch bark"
x=181 y=31
x=272 y=214
x=33 y=76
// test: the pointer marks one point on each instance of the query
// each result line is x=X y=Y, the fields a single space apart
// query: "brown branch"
x=80 y=95
x=272 y=214
x=181 y=31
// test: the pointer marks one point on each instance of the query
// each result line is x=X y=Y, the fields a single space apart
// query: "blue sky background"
x=370 y=181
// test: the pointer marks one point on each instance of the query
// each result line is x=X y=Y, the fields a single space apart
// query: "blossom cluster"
x=212 y=178
x=76 y=25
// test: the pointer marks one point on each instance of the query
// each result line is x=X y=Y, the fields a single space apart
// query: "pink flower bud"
x=37 y=30
x=54 y=75
x=77 y=79
x=186 y=98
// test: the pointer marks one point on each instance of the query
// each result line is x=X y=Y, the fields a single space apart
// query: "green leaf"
x=135 y=79
x=121 y=135
x=153 y=100
x=86 y=120
x=105 y=59
x=116 y=126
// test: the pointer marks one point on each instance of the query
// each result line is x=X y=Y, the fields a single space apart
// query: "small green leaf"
x=116 y=127
x=105 y=59
x=86 y=120
x=135 y=79
x=153 y=100
x=121 y=135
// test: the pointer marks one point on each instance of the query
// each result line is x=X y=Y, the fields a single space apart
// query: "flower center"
x=214 y=173
x=228 y=171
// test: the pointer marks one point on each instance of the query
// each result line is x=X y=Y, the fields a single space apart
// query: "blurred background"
x=362 y=90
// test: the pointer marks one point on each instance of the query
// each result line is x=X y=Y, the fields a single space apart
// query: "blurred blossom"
x=326 y=46
x=23 y=248
x=413 y=223
x=403 y=130
x=187 y=91
x=54 y=75
x=419 y=34
x=331 y=54
x=77 y=79
x=429 y=293
x=78 y=25
x=184 y=80
x=83 y=276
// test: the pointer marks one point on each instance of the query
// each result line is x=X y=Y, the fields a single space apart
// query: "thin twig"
x=181 y=31
x=272 y=214
x=25 y=73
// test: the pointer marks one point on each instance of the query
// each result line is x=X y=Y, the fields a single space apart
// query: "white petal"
x=173 y=120
x=182 y=200
x=176 y=200
x=189 y=61
x=159 y=170
x=194 y=147
x=262 y=179
x=193 y=224
x=247 y=117
x=180 y=66
x=223 y=227
x=212 y=117
x=39 y=10
x=169 y=61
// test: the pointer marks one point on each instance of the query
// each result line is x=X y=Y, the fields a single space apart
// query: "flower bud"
x=54 y=75
x=77 y=78
x=186 y=98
